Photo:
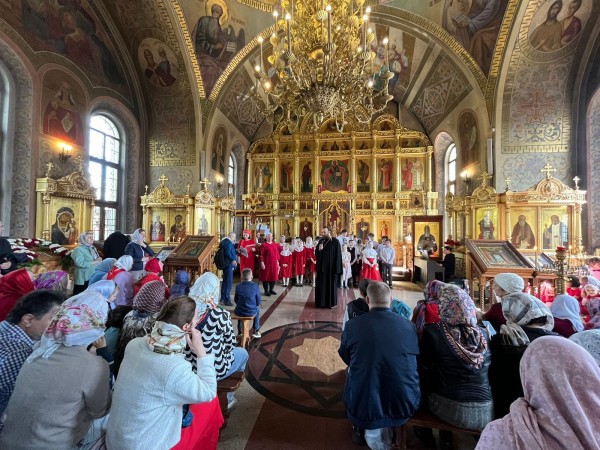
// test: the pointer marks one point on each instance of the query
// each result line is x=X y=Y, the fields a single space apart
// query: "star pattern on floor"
x=321 y=354
x=277 y=371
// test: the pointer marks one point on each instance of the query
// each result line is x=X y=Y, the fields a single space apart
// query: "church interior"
x=468 y=123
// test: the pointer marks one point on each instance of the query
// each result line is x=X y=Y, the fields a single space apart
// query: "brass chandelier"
x=323 y=65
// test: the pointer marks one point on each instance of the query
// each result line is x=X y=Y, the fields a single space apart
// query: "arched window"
x=105 y=172
x=231 y=177
x=451 y=169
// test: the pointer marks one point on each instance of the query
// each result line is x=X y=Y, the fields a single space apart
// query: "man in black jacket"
x=449 y=264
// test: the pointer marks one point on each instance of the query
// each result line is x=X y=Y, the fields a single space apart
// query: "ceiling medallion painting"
x=324 y=67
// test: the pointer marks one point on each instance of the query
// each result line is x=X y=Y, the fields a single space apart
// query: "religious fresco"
x=475 y=24
x=555 y=228
x=286 y=184
x=158 y=62
x=468 y=137
x=363 y=175
x=63 y=108
x=334 y=215
x=524 y=226
x=385 y=168
x=306 y=176
x=404 y=55
x=335 y=175
x=412 y=174
x=306 y=228
x=70 y=29
x=362 y=228
x=555 y=24
x=219 y=29
x=263 y=177
x=218 y=150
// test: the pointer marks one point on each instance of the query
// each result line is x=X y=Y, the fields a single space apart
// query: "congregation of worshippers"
x=129 y=362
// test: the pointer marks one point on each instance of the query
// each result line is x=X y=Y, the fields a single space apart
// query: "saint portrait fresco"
x=263 y=177
x=218 y=150
x=386 y=175
x=557 y=23
x=469 y=137
x=158 y=62
x=287 y=177
x=363 y=172
x=334 y=175
x=306 y=184
x=62 y=118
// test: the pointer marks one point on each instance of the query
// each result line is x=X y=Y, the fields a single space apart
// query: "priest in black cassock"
x=329 y=269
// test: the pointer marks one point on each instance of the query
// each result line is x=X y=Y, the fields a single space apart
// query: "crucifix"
x=548 y=169
x=163 y=179
x=576 y=180
x=204 y=184
x=49 y=169
x=507 y=181
x=485 y=177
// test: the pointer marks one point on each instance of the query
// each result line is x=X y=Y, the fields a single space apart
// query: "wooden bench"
x=229 y=384
x=424 y=418
x=247 y=323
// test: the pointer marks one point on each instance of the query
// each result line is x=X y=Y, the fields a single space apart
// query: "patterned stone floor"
x=292 y=398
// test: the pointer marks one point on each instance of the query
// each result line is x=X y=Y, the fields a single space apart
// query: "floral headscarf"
x=51 y=280
x=150 y=298
x=206 y=292
x=429 y=304
x=167 y=338
x=458 y=318
x=519 y=309
x=593 y=307
x=80 y=321
x=137 y=237
x=182 y=284
x=105 y=288
x=566 y=307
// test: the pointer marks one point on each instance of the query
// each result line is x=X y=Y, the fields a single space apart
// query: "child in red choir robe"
x=247 y=262
x=285 y=264
x=299 y=262
x=311 y=261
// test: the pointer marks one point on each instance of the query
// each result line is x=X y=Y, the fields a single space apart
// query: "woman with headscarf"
x=181 y=285
x=106 y=288
x=427 y=310
x=62 y=389
x=558 y=410
x=565 y=310
x=13 y=286
x=86 y=258
x=138 y=249
x=102 y=269
x=527 y=319
x=454 y=364
x=503 y=284
x=590 y=341
x=154 y=267
x=155 y=381
x=146 y=305
x=123 y=277
x=592 y=303
x=217 y=330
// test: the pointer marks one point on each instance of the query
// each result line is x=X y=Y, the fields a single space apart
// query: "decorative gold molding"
x=189 y=46
x=499 y=53
x=257 y=4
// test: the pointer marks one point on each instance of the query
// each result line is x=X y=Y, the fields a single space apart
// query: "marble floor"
x=292 y=396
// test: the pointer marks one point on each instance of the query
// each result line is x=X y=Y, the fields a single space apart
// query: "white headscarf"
x=167 y=338
x=510 y=282
x=205 y=292
x=124 y=262
x=309 y=242
x=589 y=340
x=83 y=241
x=105 y=288
x=519 y=309
x=137 y=237
x=80 y=321
x=566 y=307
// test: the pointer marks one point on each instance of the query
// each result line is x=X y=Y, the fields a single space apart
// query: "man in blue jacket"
x=382 y=386
x=231 y=256
x=247 y=301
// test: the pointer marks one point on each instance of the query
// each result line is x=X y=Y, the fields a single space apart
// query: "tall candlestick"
x=386 y=42
x=275 y=15
x=328 y=9
x=260 y=41
x=365 y=23
x=288 y=18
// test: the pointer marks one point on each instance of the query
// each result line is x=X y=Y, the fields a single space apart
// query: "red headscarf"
x=13 y=286
x=153 y=265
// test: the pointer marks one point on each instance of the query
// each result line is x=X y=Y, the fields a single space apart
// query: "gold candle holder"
x=561 y=256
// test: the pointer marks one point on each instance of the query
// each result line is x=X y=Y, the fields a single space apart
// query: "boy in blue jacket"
x=247 y=301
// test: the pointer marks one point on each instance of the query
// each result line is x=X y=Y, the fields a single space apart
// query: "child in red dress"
x=299 y=262
x=285 y=264
x=311 y=261
x=370 y=269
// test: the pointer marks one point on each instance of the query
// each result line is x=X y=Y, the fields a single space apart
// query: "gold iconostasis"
x=363 y=179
